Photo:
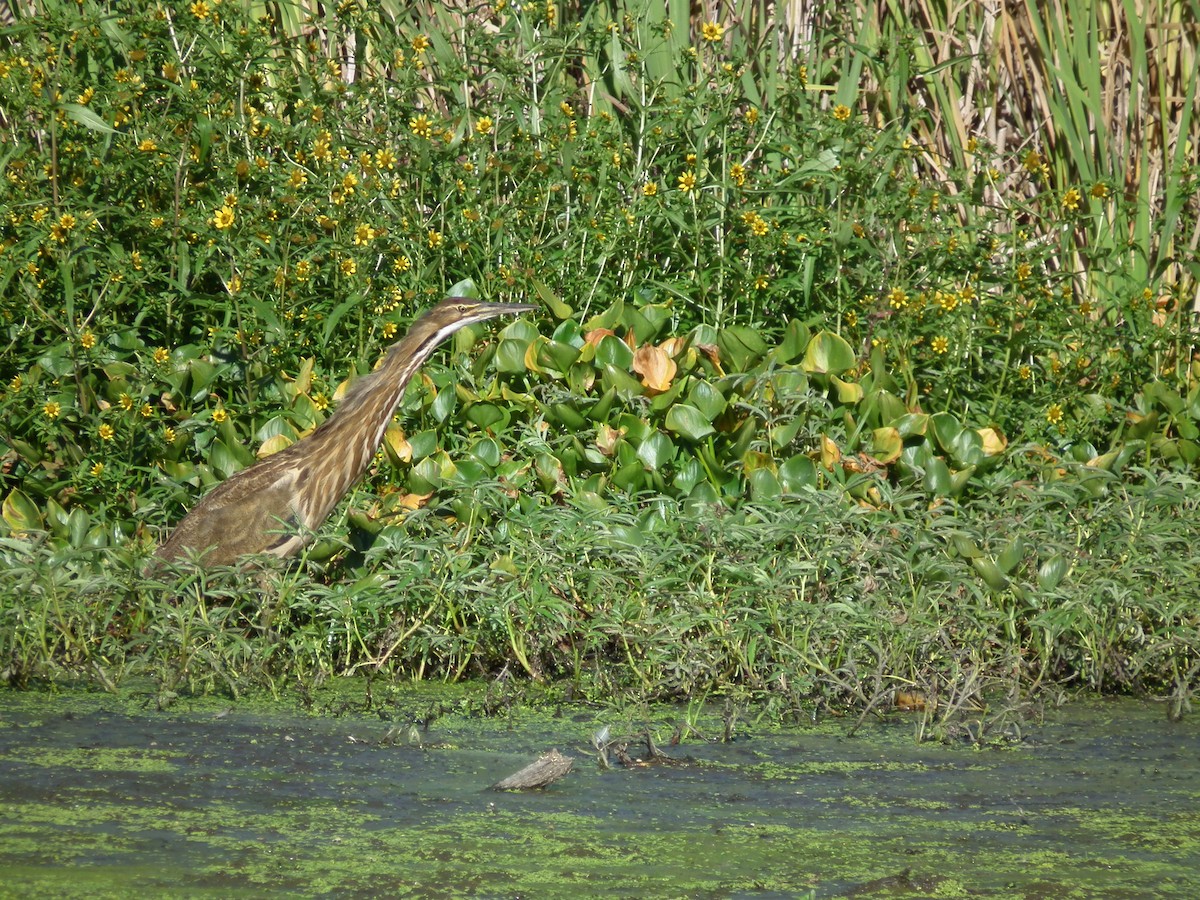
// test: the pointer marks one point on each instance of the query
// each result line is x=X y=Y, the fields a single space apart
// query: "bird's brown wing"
x=252 y=512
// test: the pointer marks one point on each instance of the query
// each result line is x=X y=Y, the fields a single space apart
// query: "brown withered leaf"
x=656 y=368
x=597 y=334
x=414 y=501
x=607 y=438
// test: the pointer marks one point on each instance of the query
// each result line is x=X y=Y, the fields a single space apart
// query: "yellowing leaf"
x=274 y=444
x=607 y=438
x=993 y=441
x=656 y=368
x=396 y=445
x=830 y=454
x=673 y=346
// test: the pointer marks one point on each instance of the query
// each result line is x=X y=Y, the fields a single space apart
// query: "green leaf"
x=612 y=351
x=1010 y=557
x=656 y=451
x=828 y=353
x=991 y=575
x=487 y=415
x=742 y=346
x=707 y=399
x=87 y=118
x=798 y=473
x=937 y=477
x=444 y=404
x=510 y=356
x=764 y=485
x=688 y=421
x=1052 y=571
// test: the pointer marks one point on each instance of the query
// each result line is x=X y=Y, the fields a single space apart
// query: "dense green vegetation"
x=863 y=364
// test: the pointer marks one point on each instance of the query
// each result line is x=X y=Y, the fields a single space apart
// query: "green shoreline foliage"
x=779 y=290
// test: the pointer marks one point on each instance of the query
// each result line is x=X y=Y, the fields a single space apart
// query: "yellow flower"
x=385 y=159
x=304 y=269
x=147 y=145
x=67 y=221
x=841 y=112
x=687 y=181
x=433 y=239
x=897 y=298
x=106 y=432
x=363 y=235
x=650 y=188
x=1099 y=190
x=567 y=109
x=738 y=173
x=321 y=402
x=169 y=434
x=389 y=330
x=401 y=264
x=223 y=218
x=1071 y=199
x=484 y=125
x=421 y=126
x=1025 y=373
x=348 y=267
x=712 y=32
x=1032 y=161
x=219 y=415
x=96 y=470
x=87 y=340
x=750 y=115
x=146 y=411
x=297 y=177
x=51 y=410
x=200 y=10
x=1054 y=414
x=16 y=383
x=420 y=43
x=161 y=355
x=939 y=344
x=761 y=283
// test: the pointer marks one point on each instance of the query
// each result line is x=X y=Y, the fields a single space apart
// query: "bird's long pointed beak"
x=499 y=309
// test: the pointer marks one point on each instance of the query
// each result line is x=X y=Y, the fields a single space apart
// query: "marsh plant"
x=863 y=353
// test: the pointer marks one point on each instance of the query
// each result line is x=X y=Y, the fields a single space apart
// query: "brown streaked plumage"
x=273 y=506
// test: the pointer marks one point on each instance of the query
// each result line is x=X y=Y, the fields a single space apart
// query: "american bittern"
x=273 y=506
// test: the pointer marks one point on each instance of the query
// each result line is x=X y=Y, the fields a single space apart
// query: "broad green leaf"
x=798 y=473
x=486 y=415
x=510 y=356
x=612 y=351
x=1052 y=571
x=764 y=485
x=1010 y=557
x=937 y=477
x=828 y=353
x=656 y=451
x=990 y=573
x=707 y=399
x=688 y=421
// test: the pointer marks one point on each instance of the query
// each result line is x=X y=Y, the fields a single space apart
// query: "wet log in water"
x=548 y=768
